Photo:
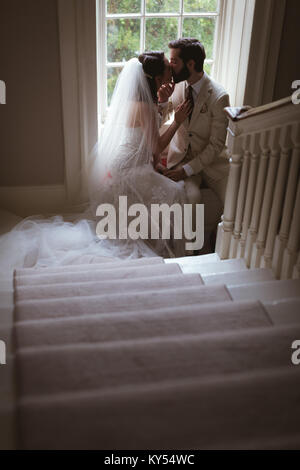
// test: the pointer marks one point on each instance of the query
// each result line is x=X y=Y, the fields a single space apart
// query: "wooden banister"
x=261 y=222
x=245 y=112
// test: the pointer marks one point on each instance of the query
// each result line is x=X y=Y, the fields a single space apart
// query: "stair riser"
x=266 y=291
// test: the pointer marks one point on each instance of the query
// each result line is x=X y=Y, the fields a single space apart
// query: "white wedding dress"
x=59 y=240
x=122 y=167
x=142 y=184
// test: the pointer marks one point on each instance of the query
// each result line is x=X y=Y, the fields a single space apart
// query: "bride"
x=125 y=162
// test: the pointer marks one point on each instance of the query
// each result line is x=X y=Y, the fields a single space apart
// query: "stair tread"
x=187 y=319
x=239 y=277
x=89 y=266
x=223 y=266
x=86 y=366
x=99 y=274
x=90 y=259
x=199 y=415
x=73 y=306
x=201 y=259
x=115 y=286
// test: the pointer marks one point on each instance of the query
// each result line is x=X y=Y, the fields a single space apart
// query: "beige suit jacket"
x=205 y=133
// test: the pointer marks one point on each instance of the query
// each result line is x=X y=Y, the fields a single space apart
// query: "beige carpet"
x=142 y=356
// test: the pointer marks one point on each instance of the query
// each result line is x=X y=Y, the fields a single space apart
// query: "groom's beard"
x=184 y=74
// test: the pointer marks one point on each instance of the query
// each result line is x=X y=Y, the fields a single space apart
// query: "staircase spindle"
x=254 y=150
x=259 y=247
x=292 y=249
x=291 y=189
x=241 y=199
x=279 y=192
x=296 y=270
x=262 y=141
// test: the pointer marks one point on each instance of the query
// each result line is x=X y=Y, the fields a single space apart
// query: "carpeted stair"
x=191 y=353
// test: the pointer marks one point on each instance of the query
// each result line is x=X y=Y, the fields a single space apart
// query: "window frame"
x=103 y=16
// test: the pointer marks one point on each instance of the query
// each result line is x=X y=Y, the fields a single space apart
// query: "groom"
x=196 y=152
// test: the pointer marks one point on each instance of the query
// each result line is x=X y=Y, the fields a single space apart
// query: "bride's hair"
x=153 y=66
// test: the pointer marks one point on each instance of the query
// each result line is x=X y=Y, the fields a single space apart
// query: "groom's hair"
x=190 y=49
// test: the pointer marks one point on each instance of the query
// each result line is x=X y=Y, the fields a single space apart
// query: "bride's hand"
x=160 y=168
x=182 y=111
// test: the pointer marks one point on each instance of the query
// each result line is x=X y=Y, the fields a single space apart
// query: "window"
x=82 y=81
x=128 y=27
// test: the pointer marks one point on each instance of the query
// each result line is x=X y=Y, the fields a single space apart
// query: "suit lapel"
x=204 y=94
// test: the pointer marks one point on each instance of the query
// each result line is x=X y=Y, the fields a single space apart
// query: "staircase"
x=191 y=353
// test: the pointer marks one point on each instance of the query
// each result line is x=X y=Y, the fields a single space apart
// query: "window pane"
x=207 y=68
x=196 y=6
x=159 y=32
x=121 y=6
x=202 y=29
x=162 y=6
x=112 y=76
x=123 y=39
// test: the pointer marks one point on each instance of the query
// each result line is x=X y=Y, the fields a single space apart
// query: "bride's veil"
x=131 y=107
x=45 y=241
x=125 y=147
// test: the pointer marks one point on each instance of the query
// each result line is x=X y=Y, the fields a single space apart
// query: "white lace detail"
x=159 y=195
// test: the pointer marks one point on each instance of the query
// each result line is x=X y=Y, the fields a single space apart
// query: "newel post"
x=235 y=239
x=225 y=228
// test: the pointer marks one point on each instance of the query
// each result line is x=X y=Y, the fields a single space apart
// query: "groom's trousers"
x=193 y=185
x=193 y=188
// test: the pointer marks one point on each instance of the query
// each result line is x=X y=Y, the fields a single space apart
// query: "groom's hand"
x=176 y=175
x=160 y=168
x=165 y=91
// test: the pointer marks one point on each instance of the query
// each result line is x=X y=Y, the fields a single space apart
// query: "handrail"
x=237 y=114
